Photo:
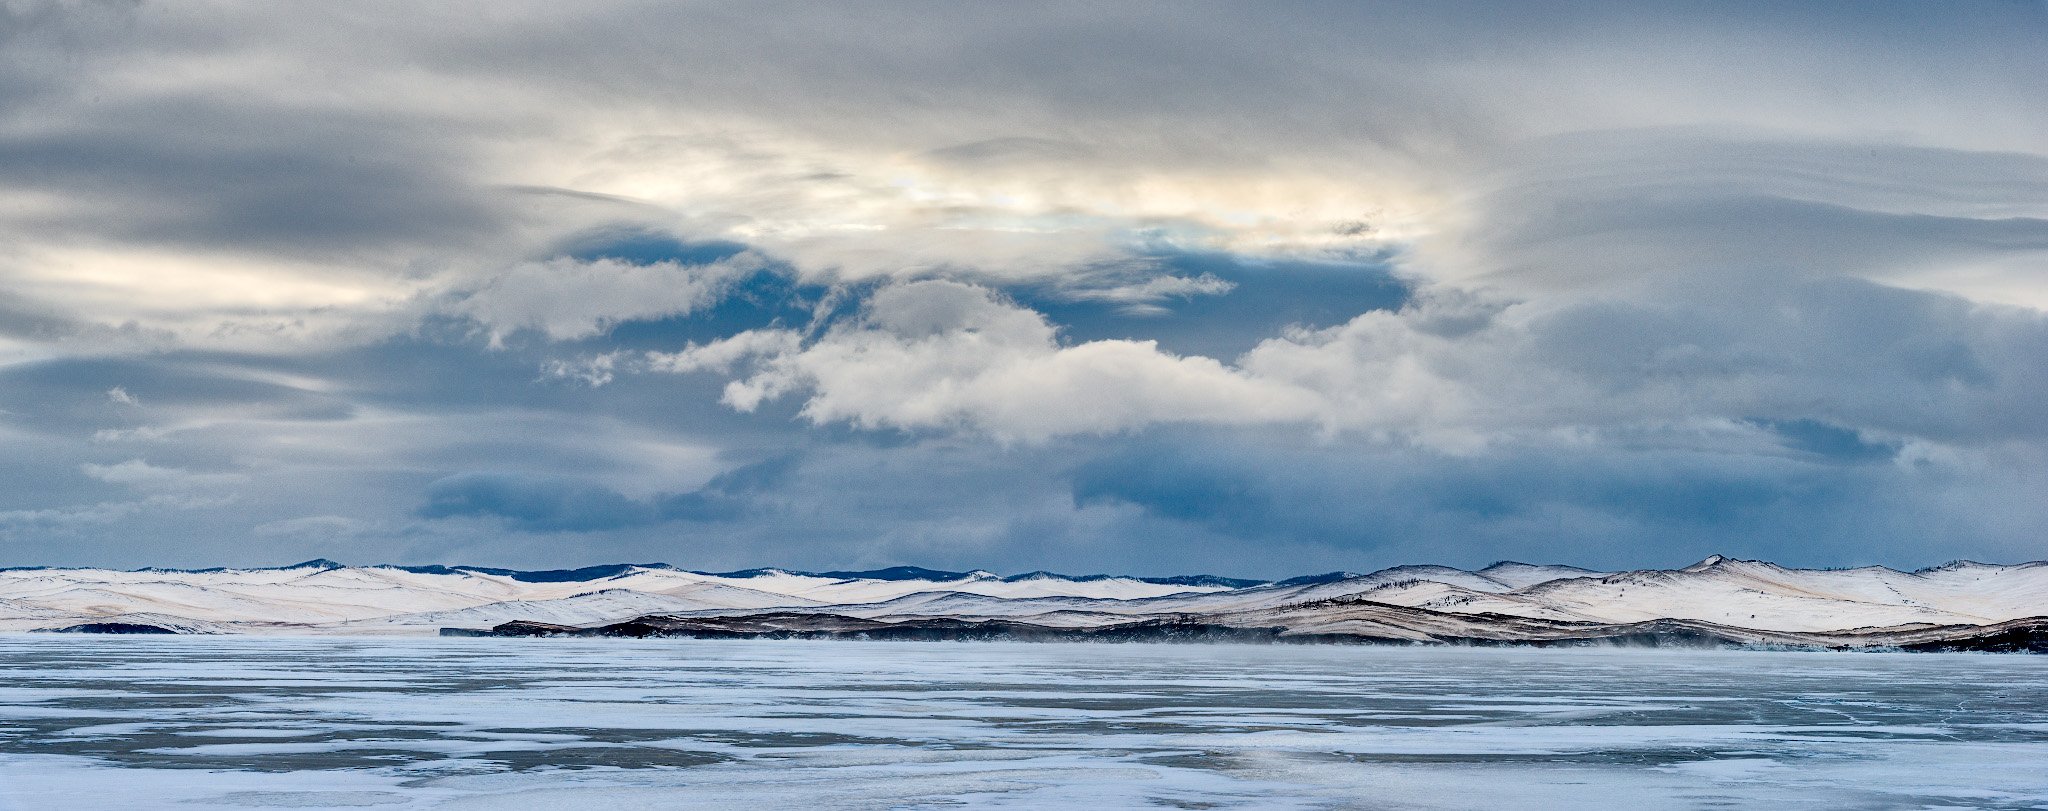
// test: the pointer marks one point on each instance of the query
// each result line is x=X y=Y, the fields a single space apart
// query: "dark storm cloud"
x=140 y=158
x=536 y=503
x=196 y=172
x=529 y=502
x=1831 y=441
x=1860 y=354
x=1596 y=505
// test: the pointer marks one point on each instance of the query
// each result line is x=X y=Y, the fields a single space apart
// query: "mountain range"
x=1718 y=601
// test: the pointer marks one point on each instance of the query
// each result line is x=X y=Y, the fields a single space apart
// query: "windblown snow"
x=326 y=597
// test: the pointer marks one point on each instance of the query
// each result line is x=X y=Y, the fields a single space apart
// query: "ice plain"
x=350 y=722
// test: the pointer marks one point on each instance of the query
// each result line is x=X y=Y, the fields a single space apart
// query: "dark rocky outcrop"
x=516 y=628
x=2028 y=635
x=113 y=628
x=1379 y=624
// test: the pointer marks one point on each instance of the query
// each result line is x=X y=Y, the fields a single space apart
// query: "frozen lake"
x=243 y=722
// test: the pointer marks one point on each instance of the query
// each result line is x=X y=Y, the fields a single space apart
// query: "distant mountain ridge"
x=1749 y=601
x=604 y=570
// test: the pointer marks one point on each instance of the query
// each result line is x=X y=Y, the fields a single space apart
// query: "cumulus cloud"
x=1451 y=369
x=941 y=354
x=721 y=355
x=1853 y=353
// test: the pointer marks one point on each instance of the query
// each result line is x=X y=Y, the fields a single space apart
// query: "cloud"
x=722 y=355
x=72 y=392
x=592 y=371
x=317 y=528
x=907 y=143
x=1143 y=298
x=142 y=475
x=37 y=524
x=542 y=503
x=1847 y=352
x=1132 y=287
x=1831 y=441
x=1450 y=368
x=1266 y=296
x=533 y=503
x=145 y=433
x=1558 y=499
x=940 y=354
x=567 y=299
x=1617 y=212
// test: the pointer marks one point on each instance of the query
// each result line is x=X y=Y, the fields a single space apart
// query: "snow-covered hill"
x=326 y=597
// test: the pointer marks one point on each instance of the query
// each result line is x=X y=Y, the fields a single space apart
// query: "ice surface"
x=298 y=722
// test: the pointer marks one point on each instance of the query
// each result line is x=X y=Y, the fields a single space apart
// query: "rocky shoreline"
x=2028 y=635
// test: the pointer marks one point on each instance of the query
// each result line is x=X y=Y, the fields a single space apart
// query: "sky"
x=1149 y=288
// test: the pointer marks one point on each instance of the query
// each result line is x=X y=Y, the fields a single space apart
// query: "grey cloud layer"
x=537 y=284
